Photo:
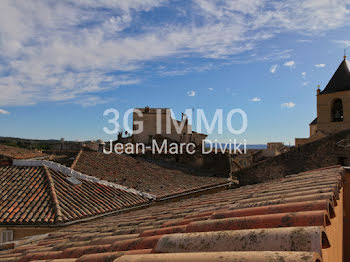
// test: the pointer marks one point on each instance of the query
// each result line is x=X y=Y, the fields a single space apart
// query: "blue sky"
x=62 y=63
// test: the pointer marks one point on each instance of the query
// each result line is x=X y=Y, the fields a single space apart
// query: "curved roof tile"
x=39 y=195
x=210 y=227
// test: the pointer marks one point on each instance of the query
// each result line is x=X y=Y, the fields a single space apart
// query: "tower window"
x=337 y=111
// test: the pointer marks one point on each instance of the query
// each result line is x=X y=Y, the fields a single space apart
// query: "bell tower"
x=333 y=103
x=333 y=106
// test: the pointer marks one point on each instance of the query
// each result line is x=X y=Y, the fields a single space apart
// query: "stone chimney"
x=101 y=145
x=318 y=90
x=62 y=143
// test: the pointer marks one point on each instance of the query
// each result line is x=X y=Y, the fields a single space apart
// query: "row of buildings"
x=84 y=205
x=118 y=208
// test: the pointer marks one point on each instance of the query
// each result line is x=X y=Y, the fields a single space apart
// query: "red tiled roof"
x=19 y=153
x=65 y=158
x=38 y=195
x=141 y=175
x=281 y=220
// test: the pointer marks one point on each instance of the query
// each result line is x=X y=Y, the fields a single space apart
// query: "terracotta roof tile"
x=38 y=195
x=225 y=256
x=110 y=256
x=306 y=218
x=141 y=175
x=41 y=256
x=276 y=239
x=275 y=209
x=262 y=222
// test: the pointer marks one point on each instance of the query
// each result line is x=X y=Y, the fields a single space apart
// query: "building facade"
x=181 y=134
x=333 y=106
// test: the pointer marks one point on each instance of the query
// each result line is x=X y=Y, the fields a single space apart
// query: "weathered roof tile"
x=141 y=174
x=39 y=195
x=225 y=256
x=212 y=227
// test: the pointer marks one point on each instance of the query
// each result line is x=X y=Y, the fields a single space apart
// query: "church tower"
x=333 y=106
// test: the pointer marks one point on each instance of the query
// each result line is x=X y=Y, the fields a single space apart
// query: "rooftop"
x=289 y=219
x=19 y=153
x=314 y=122
x=141 y=174
x=62 y=157
x=340 y=80
x=38 y=195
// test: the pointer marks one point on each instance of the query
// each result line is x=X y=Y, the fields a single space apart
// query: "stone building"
x=150 y=130
x=333 y=106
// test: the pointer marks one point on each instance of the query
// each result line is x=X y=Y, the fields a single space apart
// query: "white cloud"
x=4 y=112
x=273 y=68
x=144 y=5
x=289 y=63
x=306 y=83
x=320 y=65
x=343 y=43
x=69 y=50
x=91 y=101
x=304 y=41
x=186 y=70
x=303 y=74
x=288 y=105
x=255 y=99
x=210 y=89
x=191 y=93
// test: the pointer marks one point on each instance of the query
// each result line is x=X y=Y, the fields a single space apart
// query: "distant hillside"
x=256 y=146
x=31 y=143
x=50 y=144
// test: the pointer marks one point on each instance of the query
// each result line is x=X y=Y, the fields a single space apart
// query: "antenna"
x=193 y=119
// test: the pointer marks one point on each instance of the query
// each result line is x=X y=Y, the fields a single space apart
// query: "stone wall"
x=20 y=232
x=279 y=146
x=324 y=123
x=321 y=153
x=324 y=107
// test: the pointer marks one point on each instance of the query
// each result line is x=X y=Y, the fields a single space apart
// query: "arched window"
x=337 y=111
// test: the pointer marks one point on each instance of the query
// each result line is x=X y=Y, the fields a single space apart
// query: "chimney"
x=101 y=145
x=62 y=142
x=318 y=90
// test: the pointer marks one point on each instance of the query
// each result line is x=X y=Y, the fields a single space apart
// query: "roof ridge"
x=70 y=172
x=76 y=159
x=59 y=217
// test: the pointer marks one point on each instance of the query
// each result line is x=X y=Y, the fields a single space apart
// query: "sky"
x=63 y=63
